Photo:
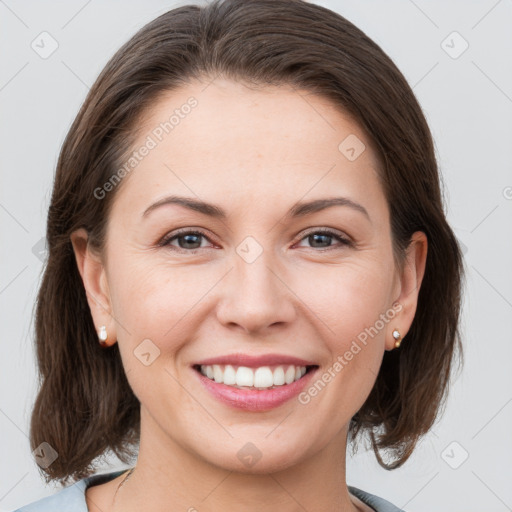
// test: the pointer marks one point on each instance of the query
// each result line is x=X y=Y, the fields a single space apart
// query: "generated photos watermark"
x=152 y=140
x=343 y=360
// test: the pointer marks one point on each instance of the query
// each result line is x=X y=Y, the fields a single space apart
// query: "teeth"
x=217 y=373
x=244 y=376
x=229 y=375
x=278 y=376
x=263 y=377
x=290 y=375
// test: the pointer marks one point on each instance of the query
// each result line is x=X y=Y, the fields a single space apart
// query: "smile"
x=254 y=389
x=263 y=377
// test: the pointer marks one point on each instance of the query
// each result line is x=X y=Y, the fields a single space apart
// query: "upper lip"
x=256 y=361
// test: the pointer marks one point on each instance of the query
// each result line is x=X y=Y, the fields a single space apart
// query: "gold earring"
x=397 y=337
x=103 y=336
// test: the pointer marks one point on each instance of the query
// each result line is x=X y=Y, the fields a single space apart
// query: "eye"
x=187 y=240
x=323 y=236
x=190 y=240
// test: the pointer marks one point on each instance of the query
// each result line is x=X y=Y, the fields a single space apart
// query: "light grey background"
x=467 y=100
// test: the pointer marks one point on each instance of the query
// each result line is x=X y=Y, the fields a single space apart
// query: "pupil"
x=188 y=241
x=315 y=238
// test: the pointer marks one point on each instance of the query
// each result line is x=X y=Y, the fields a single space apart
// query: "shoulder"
x=69 y=499
x=375 y=502
x=72 y=498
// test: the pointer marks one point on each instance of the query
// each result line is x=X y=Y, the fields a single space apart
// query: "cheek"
x=352 y=304
x=152 y=303
x=346 y=298
x=150 y=295
x=352 y=334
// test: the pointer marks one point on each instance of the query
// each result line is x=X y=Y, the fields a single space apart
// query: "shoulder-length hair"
x=85 y=405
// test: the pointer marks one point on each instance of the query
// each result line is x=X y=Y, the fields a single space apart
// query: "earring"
x=102 y=335
x=397 y=337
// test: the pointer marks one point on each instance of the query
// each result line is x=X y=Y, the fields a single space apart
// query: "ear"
x=409 y=286
x=94 y=278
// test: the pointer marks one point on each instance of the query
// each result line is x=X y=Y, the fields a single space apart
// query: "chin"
x=255 y=457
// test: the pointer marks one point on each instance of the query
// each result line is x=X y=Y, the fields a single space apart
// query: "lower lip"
x=254 y=399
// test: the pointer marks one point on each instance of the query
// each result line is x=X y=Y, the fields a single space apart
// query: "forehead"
x=225 y=141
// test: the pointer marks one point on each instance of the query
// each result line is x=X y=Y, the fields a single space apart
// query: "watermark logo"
x=249 y=454
x=146 y=352
x=352 y=147
x=454 y=45
x=454 y=455
x=40 y=250
x=45 y=455
x=249 y=249
x=44 y=45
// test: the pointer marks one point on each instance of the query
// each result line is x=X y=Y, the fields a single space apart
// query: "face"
x=266 y=278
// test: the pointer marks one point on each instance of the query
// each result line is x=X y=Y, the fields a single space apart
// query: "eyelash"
x=166 y=241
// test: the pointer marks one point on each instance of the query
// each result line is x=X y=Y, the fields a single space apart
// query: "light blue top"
x=72 y=498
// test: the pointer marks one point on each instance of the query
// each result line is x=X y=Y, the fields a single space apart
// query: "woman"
x=249 y=266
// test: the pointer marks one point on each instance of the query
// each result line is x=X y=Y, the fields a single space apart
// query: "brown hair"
x=85 y=405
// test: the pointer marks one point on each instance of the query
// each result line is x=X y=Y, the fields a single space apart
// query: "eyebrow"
x=300 y=209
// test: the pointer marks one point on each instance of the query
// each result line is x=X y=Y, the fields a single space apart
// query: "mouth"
x=262 y=378
x=254 y=389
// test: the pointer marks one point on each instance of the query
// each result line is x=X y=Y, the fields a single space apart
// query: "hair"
x=85 y=406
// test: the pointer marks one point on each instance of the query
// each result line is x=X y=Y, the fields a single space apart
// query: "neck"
x=176 y=479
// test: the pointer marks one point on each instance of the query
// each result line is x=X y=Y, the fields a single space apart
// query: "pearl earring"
x=397 y=337
x=102 y=335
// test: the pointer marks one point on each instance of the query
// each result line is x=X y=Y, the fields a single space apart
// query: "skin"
x=254 y=153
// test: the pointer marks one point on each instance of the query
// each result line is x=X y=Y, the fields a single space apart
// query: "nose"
x=255 y=296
